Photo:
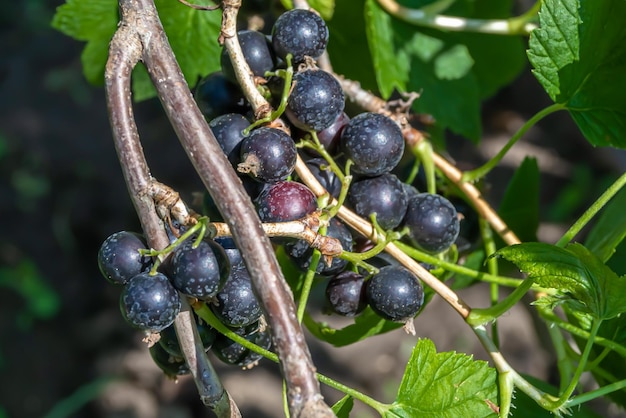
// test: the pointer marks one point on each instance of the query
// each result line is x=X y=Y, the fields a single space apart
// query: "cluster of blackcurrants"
x=209 y=270
x=265 y=158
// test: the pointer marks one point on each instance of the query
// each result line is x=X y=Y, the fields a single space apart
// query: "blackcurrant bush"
x=257 y=52
x=236 y=304
x=268 y=154
x=300 y=251
x=432 y=222
x=300 y=33
x=374 y=142
x=315 y=101
x=119 y=259
x=169 y=339
x=202 y=271
x=234 y=353
x=228 y=130
x=383 y=195
x=285 y=201
x=395 y=293
x=345 y=293
x=170 y=365
x=150 y=302
x=216 y=95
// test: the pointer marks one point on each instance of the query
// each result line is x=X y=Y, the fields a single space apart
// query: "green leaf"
x=343 y=407
x=581 y=279
x=365 y=325
x=610 y=229
x=192 y=35
x=579 y=59
x=445 y=385
x=325 y=8
x=520 y=205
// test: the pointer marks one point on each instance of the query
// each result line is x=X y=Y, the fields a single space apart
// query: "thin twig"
x=235 y=206
x=125 y=50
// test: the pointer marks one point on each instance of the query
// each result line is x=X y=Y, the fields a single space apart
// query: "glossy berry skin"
x=228 y=130
x=300 y=251
x=432 y=221
x=150 y=302
x=231 y=250
x=119 y=259
x=169 y=339
x=234 y=353
x=321 y=171
x=395 y=293
x=345 y=293
x=300 y=33
x=373 y=142
x=236 y=304
x=202 y=271
x=330 y=136
x=170 y=365
x=268 y=154
x=257 y=52
x=216 y=95
x=315 y=101
x=285 y=201
x=383 y=195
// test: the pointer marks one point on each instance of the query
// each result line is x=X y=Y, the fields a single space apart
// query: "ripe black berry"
x=395 y=293
x=234 y=353
x=119 y=259
x=432 y=221
x=300 y=33
x=285 y=201
x=228 y=130
x=202 y=271
x=268 y=154
x=236 y=305
x=321 y=171
x=257 y=52
x=345 y=293
x=383 y=195
x=169 y=338
x=315 y=101
x=170 y=365
x=373 y=142
x=149 y=302
x=300 y=251
x=216 y=95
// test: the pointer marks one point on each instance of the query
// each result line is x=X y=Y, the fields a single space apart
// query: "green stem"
x=564 y=365
x=492 y=267
x=593 y=394
x=209 y=317
x=483 y=170
x=424 y=152
x=592 y=211
x=483 y=316
x=308 y=284
x=579 y=369
x=419 y=17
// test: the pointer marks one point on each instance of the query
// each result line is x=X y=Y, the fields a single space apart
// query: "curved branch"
x=124 y=53
x=274 y=295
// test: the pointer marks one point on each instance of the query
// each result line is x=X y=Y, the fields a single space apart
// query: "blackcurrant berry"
x=321 y=171
x=395 y=293
x=345 y=293
x=170 y=365
x=432 y=222
x=300 y=251
x=300 y=33
x=228 y=130
x=202 y=271
x=216 y=95
x=383 y=195
x=231 y=250
x=257 y=52
x=169 y=339
x=374 y=142
x=268 y=154
x=285 y=201
x=236 y=304
x=149 y=302
x=119 y=259
x=234 y=353
x=315 y=101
